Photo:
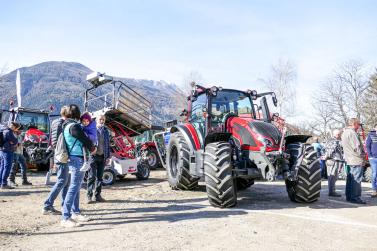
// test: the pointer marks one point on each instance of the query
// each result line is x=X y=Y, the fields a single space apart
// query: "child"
x=89 y=126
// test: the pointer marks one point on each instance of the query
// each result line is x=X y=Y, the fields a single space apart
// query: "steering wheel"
x=228 y=115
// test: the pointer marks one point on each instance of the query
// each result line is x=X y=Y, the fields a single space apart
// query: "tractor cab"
x=35 y=134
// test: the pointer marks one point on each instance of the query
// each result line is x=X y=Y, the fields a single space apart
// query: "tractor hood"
x=36 y=136
x=253 y=134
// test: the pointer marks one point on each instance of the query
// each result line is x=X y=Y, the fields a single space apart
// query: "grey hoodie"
x=352 y=147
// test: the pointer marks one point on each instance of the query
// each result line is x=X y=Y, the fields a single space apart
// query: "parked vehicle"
x=230 y=141
x=127 y=114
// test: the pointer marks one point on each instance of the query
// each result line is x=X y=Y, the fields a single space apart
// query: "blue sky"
x=230 y=43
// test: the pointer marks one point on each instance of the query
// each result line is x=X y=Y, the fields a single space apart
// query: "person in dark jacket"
x=371 y=146
x=99 y=160
x=76 y=140
x=6 y=152
x=334 y=161
x=62 y=175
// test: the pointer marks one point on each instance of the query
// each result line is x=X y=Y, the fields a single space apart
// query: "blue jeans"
x=6 y=159
x=373 y=165
x=20 y=159
x=353 y=183
x=72 y=199
x=61 y=184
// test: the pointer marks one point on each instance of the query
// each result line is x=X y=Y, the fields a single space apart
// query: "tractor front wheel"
x=306 y=188
x=220 y=185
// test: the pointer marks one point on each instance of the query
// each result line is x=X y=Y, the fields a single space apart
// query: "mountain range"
x=60 y=83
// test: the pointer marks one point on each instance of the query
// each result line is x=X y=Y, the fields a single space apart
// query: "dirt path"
x=150 y=216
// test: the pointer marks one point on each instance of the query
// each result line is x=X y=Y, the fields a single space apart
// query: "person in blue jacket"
x=371 y=146
x=8 y=146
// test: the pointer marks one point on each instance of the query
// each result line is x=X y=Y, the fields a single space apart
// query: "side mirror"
x=184 y=113
x=274 y=99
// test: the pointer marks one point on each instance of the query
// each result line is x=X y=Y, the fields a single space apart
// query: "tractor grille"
x=266 y=129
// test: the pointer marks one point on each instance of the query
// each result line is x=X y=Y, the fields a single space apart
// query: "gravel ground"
x=148 y=215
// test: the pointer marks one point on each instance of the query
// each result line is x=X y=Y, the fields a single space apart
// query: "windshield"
x=34 y=120
x=231 y=102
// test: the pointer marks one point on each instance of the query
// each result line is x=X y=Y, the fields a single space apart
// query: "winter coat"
x=10 y=140
x=106 y=141
x=333 y=149
x=56 y=130
x=352 y=147
x=91 y=131
x=371 y=144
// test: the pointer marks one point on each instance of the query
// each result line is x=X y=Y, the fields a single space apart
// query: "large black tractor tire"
x=243 y=183
x=307 y=187
x=178 y=165
x=367 y=176
x=153 y=159
x=220 y=185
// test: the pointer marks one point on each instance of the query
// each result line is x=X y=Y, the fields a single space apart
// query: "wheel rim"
x=173 y=161
x=143 y=171
x=152 y=159
x=107 y=177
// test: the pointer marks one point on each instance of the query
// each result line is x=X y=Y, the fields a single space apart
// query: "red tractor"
x=230 y=141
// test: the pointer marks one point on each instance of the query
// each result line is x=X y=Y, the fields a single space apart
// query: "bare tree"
x=193 y=76
x=370 y=100
x=341 y=96
x=282 y=82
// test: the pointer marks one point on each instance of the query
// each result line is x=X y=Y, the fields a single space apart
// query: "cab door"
x=198 y=116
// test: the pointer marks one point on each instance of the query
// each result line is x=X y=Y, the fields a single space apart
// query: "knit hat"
x=86 y=116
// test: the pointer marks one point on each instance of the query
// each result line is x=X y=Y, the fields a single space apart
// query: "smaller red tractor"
x=147 y=148
x=229 y=140
x=35 y=133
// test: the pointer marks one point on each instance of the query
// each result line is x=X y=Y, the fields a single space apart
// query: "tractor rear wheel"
x=220 y=185
x=307 y=187
x=178 y=165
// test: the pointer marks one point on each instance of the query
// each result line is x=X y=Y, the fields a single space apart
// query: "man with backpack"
x=62 y=175
x=8 y=143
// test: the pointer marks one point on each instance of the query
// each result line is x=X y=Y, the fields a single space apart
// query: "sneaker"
x=359 y=201
x=85 y=167
x=13 y=183
x=334 y=195
x=50 y=211
x=6 y=187
x=89 y=200
x=26 y=183
x=69 y=223
x=79 y=217
x=99 y=199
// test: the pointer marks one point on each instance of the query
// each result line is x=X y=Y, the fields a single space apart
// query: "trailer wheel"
x=143 y=171
x=220 y=185
x=307 y=187
x=177 y=164
x=108 y=177
x=153 y=159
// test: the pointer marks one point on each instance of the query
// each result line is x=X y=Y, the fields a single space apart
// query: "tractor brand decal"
x=193 y=135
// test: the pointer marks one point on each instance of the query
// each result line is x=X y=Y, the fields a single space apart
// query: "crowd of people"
x=87 y=142
x=344 y=152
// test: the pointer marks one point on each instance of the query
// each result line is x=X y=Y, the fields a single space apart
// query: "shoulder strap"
x=74 y=143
